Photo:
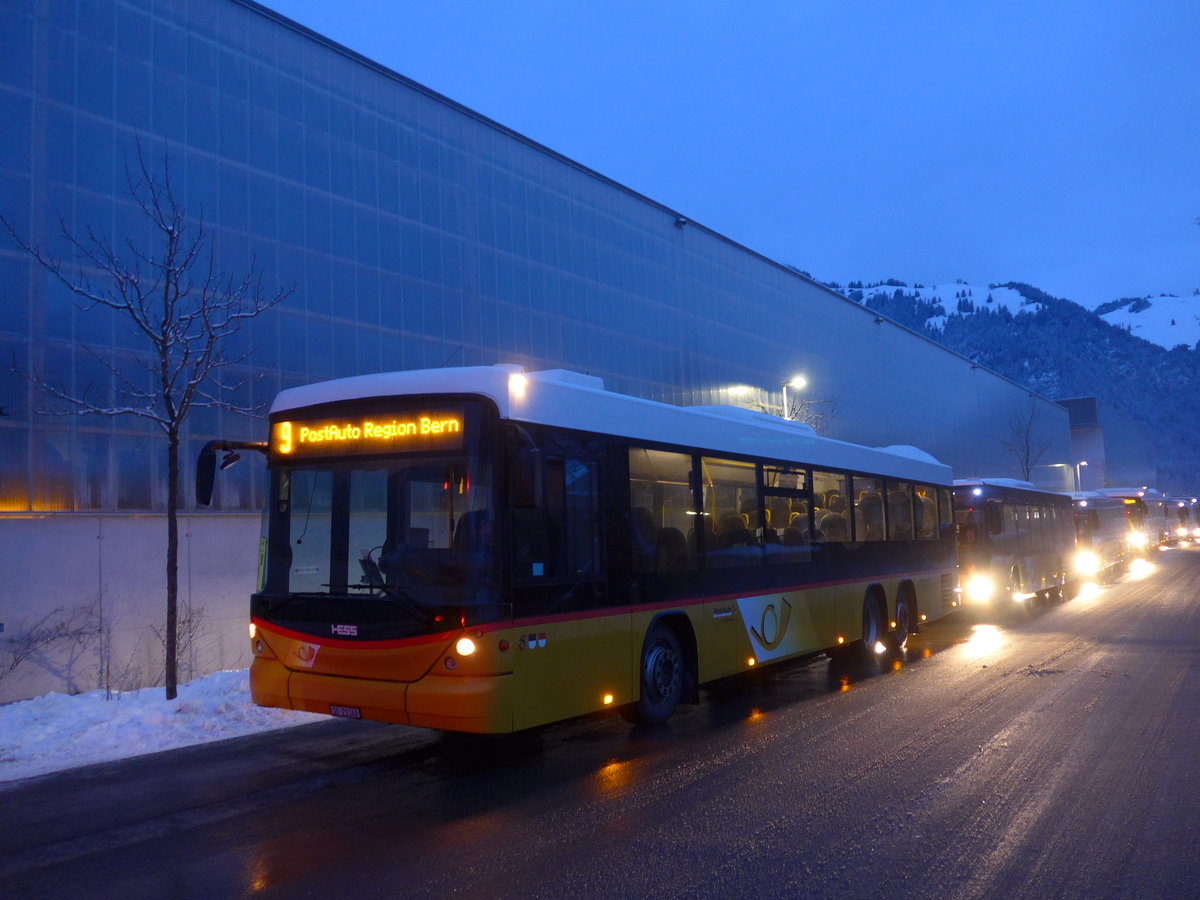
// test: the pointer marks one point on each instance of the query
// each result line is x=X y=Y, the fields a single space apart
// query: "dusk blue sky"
x=1055 y=143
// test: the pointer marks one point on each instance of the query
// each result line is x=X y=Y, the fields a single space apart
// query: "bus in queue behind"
x=1015 y=543
x=1109 y=529
x=1184 y=518
x=488 y=550
x=1165 y=521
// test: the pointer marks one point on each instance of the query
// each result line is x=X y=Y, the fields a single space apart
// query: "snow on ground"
x=60 y=731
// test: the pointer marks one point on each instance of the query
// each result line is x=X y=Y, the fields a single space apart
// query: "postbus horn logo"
x=773 y=626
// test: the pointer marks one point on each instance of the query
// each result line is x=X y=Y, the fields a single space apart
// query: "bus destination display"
x=368 y=435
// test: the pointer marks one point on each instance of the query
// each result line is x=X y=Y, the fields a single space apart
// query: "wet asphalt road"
x=1050 y=754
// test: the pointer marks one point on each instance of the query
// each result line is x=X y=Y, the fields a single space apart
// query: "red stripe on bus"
x=530 y=621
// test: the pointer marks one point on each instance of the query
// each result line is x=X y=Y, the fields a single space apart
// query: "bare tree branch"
x=172 y=295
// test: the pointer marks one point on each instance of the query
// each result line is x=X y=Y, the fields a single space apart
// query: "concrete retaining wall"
x=85 y=596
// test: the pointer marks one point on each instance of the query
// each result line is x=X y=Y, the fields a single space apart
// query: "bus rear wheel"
x=906 y=621
x=662 y=678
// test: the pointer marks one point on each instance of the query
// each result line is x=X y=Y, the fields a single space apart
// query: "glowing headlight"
x=1138 y=540
x=1087 y=563
x=980 y=589
x=464 y=647
x=1196 y=532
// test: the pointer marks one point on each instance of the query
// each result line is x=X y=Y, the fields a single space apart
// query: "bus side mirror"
x=206 y=464
x=206 y=471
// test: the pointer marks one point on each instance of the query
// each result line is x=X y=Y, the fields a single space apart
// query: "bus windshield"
x=382 y=547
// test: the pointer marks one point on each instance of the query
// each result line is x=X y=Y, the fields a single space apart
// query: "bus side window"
x=992 y=517
x=560 y=539
x=946 y=511
x=580 y=518
x=925 y=512
x=661 y=510
x=831 y=508
x=899 y=511
x=868 y=509
x=731 y=503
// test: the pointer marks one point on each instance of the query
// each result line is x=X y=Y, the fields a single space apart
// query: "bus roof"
x=577 y=401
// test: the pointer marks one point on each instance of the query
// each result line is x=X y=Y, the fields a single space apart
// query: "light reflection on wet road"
x=1043 y=752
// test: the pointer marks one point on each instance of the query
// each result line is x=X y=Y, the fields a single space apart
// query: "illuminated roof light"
x=608 y=699
x=841 y=640
x=978 y=492
x=517 y=383
x=751 y=661
x=464 y=647
x=924 y=617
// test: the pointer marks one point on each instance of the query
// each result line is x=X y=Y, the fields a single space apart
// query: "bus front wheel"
x=874 y=625
x=661 y=676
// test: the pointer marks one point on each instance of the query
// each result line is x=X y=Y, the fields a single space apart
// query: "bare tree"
x=816 y=413
x=33 y=640
x=171 y=295
x=1023 y=441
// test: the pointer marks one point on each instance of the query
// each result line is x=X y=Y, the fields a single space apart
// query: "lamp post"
x=796 y=383
x=1079 y=474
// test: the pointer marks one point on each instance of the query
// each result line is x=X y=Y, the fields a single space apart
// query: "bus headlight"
x=1138 y=540
x=980 y=588
x=464 y=647
x=1087 y=562
x=1196 y=533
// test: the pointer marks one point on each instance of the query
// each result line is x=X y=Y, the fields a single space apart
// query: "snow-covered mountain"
x=1127 y=353
x=1167 y=320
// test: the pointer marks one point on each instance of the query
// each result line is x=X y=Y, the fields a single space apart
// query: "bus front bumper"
x=479 y=704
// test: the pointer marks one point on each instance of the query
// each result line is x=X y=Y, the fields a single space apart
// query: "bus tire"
x=906 y=618
x=875 y=628
x=662 y=676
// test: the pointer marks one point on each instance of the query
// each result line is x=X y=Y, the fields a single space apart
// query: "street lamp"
x=796 y=383
x=1079 y=475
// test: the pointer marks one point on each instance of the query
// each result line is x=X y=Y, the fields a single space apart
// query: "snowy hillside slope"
x=1167 y=320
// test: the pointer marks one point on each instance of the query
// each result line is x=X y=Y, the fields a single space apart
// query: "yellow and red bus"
x=486 y=550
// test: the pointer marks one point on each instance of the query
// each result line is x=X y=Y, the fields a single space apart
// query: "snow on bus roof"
x=579 y=401
x=1003 y=482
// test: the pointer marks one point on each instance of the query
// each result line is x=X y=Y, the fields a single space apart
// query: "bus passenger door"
x=570 y=652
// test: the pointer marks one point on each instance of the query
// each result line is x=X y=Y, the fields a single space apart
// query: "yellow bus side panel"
x=565 y=669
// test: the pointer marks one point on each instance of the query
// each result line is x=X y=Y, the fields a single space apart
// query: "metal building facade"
x=416 y=233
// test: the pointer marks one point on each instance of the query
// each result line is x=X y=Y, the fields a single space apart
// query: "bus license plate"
x=346 y=712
